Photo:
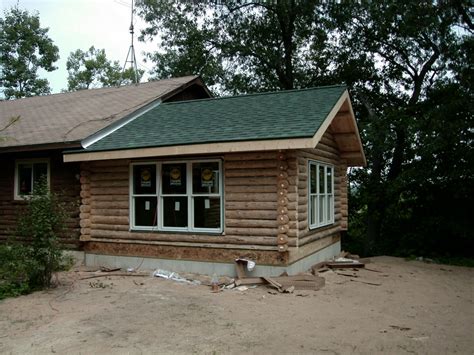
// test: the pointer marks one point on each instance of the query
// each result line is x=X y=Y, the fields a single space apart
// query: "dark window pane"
x=321 y=209
x=25 y=172
x=206 y=178
x=330 y=209
x=207 y=212
x=145 y=211
x=321 y=179
x=40 y=172
x=329 y=179
x=174 y=178
x=144 y=179
x=312 y=169
x=312 y=210
x=175 y=211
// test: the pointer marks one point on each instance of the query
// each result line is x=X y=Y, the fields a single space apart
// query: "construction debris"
x=169 y=275
x=106 y=274
x=109 y=269
x=283 y=283
x=343 y=263
x=344 y=260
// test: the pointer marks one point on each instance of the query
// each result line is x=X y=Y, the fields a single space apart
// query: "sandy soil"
x=418 y=308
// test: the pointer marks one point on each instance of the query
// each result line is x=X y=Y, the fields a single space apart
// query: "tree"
x=25 y=47
x=240 y=46
x=399 y=59
x=92 y=69
x=411 y=46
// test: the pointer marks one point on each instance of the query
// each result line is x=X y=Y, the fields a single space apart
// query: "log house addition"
x=197 y=184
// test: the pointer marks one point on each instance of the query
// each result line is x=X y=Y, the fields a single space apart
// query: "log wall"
x=327 y=152
x=265 y=204
x=257 y=198
x=63 y=182
x=250 y=204
x=104 y=200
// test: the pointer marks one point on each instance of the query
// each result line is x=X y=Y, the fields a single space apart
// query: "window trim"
x=16 y=195
x=330 y=197
x=189 y=195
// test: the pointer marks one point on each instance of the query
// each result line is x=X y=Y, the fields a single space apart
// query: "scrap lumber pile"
x=347 y=265
x=286 y=284
x=283 y=283
x=343 y=261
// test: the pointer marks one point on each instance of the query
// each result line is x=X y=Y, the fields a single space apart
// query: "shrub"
x=28 y=267
x=15 y=268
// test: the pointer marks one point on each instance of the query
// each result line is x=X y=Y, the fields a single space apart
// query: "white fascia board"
x=328 y=120
x=86 y=142
x=191 y=149
x=330 y=117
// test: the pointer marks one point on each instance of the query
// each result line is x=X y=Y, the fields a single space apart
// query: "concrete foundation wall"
x=209 y=268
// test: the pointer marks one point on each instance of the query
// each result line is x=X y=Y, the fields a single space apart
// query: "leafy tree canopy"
x=92 y=69
x=25 y=47
x=240 y=46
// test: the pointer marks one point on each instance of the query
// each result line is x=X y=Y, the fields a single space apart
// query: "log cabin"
x=34 y=131
x=194 y=185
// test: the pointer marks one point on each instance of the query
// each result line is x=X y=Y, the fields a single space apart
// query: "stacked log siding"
x=327 y=152
x=251 y=197
x=250 y=200
x=105 y=199
x=264 y=196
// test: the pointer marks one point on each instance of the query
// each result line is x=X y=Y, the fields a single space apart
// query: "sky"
x=80 y=24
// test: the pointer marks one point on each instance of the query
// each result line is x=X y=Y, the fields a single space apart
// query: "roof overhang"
x=40 y=147
x=340 y=121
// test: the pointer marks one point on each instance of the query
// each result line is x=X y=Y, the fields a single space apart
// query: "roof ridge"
x=256 y=94
x=191 y=77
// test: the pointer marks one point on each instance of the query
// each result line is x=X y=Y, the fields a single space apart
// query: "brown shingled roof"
x=71 y=117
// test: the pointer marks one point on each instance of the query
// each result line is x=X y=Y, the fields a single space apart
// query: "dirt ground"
x=413 y=307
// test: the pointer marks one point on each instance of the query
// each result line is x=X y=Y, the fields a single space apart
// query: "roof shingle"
x=71 y=117
x=276 y=115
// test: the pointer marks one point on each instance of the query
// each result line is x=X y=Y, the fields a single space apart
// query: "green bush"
x=26 y=267
x=15 y=269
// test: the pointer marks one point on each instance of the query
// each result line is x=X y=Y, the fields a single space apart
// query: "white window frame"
x=16 y=195
x=328 y=197
x=189 y=194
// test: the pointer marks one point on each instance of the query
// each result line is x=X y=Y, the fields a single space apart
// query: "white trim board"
x=86 y=142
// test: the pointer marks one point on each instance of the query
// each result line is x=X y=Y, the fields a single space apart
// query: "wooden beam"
x=351 y=155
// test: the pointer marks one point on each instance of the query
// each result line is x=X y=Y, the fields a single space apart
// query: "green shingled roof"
x=276 y=115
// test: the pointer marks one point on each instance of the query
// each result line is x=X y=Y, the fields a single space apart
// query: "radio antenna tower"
x=131 y=53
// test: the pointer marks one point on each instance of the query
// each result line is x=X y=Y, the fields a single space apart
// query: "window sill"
x=322 y=227
x=162 y=231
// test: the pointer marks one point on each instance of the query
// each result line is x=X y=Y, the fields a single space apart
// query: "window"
x=28 y=173
x=177 y=196
x=321 y=194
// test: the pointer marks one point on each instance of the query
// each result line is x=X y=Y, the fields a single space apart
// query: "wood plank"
x=250 y=181
x=250 y=173
x=110 y=191
x=258 y=206
x=251 y=156
x=253 y=231
x=253 y=214
x=255 y=197
x=250 y=223
x=251 y=164
x=251 y=189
